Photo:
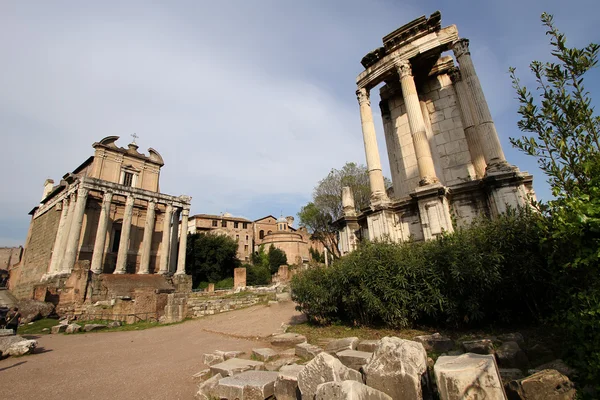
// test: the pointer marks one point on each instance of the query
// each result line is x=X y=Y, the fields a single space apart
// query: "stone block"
x=21 y=348
x=115 y=324
x=548 y=384
x=234 y=366
x=281 y=361
x=202 y=375
x=558 y=365
x=324 y=368
x=264 y=354
x=210 y=288
x=239 y=278
x=249 y=385
x=212 y=358
x=367 y=345
x=481 y=346
x=73 y=328
x=437 y=116
x=6 y=332
x=468 y=376
x=59 y=328
x=229 y=354
x=286 y=385
x=93 y=327
x=207 y=389
x=510 y=355
x=287 y=339
x=398 y=368
x=353 y=358
x=307 y=351
x=348 y=390
x=338 y=345
x=510 y=374
x=435 y=342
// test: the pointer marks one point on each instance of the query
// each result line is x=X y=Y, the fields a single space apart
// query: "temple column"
x=72 y=245
x=147 y=240
x=174 y=240
x=182 y=242
x=376 y=182
x=121 y=267
x=466 y=108
x=60 y=238
x=484 y=125
x=417 y=124
x=164 y=247
x=98 y=255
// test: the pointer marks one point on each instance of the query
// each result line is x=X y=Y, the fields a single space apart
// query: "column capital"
x=404 y=68
x=82 y=192
x=130 y=200
x=454 y=74
x=185 y=211
x=108 y=195
x=362 y=94
x=461 y=47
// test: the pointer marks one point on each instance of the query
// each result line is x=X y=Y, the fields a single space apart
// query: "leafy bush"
x=492 y=272
x=257 y=275
x=210 y=258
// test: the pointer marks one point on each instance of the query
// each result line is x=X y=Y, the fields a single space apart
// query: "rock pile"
x=387 y=369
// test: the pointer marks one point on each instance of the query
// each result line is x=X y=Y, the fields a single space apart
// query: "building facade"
x=446 y=161
x=237 y=228
x=108 y=211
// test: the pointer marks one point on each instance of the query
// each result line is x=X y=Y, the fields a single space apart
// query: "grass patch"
x=316 y=334
x=37 y=326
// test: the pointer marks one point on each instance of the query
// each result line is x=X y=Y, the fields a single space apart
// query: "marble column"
x=164 y=247
x=376 y=182
x=98 y=255
x=182 y=242
x=417 y=124
x=72 y=246
x=484 y=124
x=147 y=240
x=466 y=109
x=121 y=267
x=174 y=240
x=348 y=202
x=60 y=235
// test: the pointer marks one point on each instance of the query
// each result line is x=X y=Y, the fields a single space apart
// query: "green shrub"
x=257 y=275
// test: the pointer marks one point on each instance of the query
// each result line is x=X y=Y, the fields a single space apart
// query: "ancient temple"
x=109 y=212
x=446 y=161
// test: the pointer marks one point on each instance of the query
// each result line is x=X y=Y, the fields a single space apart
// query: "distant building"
x=239 y=229
x=108 y=211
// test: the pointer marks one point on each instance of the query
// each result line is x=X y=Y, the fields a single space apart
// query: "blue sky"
x=250 y=103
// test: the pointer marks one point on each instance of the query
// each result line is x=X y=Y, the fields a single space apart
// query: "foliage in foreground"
x=210 y=258
x=492 y=272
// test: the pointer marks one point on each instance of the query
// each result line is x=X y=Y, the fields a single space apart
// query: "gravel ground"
x=156 y=363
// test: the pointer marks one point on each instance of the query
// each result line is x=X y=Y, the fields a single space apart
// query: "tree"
x=210 y=258
x=276 y=257
x=563 y=134
x=326 y=204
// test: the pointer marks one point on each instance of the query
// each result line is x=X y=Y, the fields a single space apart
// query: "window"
x=224 y=224
x=245 y=225
x=246 y=238
x=245 y=247
x=261 y=234
x=237 y=237
x=215 y=223
x=127 y=179
x=236 y=225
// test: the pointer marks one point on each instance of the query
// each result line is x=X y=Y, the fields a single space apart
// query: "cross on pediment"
x=134 y=136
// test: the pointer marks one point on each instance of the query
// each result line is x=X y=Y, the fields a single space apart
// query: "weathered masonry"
x=445 y=157
x=109 y=212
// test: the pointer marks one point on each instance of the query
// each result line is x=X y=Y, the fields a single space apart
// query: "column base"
x=119 y=272
x=434 y=210
x=143 y=272
x=163 y=272
x=179 y=273
x=379 y=199
x=97 y=272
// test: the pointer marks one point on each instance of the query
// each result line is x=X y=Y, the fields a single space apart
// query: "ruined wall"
x=200 y=304
x=37 y=254
x=10 y=256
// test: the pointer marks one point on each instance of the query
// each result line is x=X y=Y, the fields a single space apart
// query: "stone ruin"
x=445 y=156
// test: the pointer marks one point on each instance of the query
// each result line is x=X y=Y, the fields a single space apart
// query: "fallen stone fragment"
x=510 y=355
x=558 y=365
x=276 y=364
x=115 y=324
x=59 y=328
x=548 y=384
x=398 y=368
x=207 y=389
x=93 y=327
x=229 y=354
x=249 y=385
x=264 y=354
x=21 y=348
x=286 y=385
x=202 y=375
x=353 y=358
x=45 y=330
x=324 y=368
x=73 y=328
x=512 y=337
x=6 y=332
x=307 y=351
x=287 y=339
x=468 y=376
x=234 y=366
x=285 y=296
x=7 y=341
x=482 y=346
x=435 y=342
x=348 y=390
x=212 y=358
x=338 y=345
x=367 y=345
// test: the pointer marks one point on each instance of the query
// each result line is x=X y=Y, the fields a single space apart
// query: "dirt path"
x=157 y=363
